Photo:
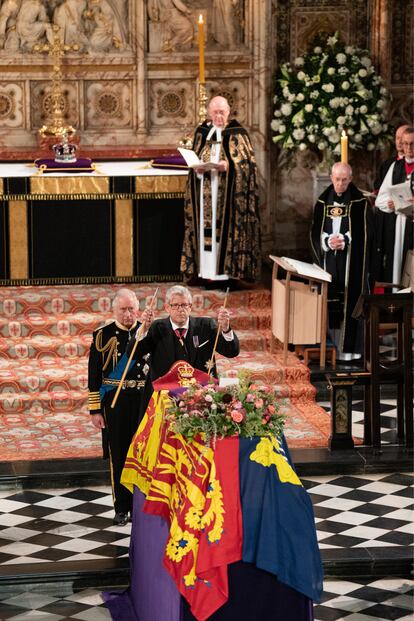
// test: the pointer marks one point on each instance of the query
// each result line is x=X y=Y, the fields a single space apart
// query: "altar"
x=123 y=221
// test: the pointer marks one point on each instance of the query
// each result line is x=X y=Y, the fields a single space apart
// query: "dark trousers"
x=121 y=423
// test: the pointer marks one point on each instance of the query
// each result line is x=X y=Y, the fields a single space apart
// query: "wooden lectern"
x=299 y=309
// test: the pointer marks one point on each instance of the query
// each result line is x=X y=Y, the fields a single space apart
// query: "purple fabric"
x=82 y=164
x=169 y=161
x=152 y=595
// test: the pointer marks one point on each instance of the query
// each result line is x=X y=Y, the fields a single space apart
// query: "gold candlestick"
x=55 y=126
x=202 y=102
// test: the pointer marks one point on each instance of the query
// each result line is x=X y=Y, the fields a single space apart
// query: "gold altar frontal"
x=100 y=227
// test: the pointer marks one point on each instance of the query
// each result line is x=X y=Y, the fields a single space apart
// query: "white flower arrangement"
x=332 y=88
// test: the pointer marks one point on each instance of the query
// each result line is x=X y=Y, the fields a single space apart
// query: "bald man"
x=222 y=229
x=341 y=237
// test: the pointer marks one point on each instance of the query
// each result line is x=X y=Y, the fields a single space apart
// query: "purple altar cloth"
x=82 y=164
x=152 y=595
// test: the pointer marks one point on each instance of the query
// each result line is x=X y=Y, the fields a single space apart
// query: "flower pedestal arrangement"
x=330 y=89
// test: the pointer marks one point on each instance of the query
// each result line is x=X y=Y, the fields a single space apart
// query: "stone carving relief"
x=41 y=102
x=307 y=23
x=171 y=103
x=108 y=104
x=95 y=25
x=11 y=105
x=172 y=24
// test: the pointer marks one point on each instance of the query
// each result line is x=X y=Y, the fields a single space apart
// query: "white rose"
x=282 y=129
x=321 y=145
x=278 y=113
x=366 y=61
x=358 y=138
x=334 y=138
x=362 y=73
x=308 y=107
x=370 y=146
x=314 y=95
x=383 y=90
x=334 y=102
x=363 y=109
x=328 y=88
x=275 y=124
x=292 y=97
x=302 y=146
x=343 y=70
x=349 y=110
x=299 y=61
x=300 y=96
x=286 y=91
x=341 y=58
x=331 y=70
x=349 y=49
x=301 y=75
x=317 y=50
x=312 y=138
x=345 y=85
x=341 y=120
x=350 y=131
x=286 y=109
x=298 y=134
x=380 y=104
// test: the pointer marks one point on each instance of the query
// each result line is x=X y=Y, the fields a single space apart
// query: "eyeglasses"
x=180 y=306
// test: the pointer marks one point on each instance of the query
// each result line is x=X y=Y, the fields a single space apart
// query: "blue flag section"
x=115 y=374
x=279 y=533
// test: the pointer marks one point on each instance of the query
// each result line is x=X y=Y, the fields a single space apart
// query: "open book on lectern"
x=193 y=161
x=308 y=270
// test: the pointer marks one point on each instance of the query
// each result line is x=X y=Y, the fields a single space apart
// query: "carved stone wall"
x=133 y=78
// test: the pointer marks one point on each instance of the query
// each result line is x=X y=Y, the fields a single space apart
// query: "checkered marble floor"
x=58 y=525
x=388 y=428
x=388 y=599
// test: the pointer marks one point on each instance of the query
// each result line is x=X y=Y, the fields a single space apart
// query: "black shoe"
x=120 y=519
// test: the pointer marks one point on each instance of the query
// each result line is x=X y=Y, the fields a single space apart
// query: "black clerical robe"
x=238 y=225
x=349 y=267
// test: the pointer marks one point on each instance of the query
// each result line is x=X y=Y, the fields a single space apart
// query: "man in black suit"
x=183 y=337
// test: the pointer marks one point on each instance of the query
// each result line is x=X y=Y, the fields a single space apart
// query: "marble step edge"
x=337 y=563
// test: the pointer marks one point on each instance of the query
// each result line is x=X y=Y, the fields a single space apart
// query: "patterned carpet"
x=45 y=334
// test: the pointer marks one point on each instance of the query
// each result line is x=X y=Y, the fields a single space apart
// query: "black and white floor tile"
x=388 y=599
x=388 y=426
x=38 y=526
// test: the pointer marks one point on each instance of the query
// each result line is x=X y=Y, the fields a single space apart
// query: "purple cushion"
x=169 y=161
x=82 y=164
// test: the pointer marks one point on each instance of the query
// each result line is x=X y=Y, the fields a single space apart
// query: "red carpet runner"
x=45 y=334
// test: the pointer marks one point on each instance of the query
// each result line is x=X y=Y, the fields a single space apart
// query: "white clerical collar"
x=175 y=326
x=409 y=160
x=217 y=130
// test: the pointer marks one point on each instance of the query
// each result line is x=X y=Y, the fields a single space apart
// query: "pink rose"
x=237 y=416
x=208 y=398
x=258 y=403
x=271 y=408
x=249 y=397
x=237 y=405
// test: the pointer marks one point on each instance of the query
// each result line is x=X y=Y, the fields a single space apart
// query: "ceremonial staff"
x=131 y=355
x=211 y=361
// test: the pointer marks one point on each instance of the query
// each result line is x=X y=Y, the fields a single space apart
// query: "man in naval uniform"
x=106 y=364
x=394 y=230
x=340 y=240
x=222 y=228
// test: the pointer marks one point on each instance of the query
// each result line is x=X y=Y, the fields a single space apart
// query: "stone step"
x=34 y=323
x=97 y=298
x=51 y=346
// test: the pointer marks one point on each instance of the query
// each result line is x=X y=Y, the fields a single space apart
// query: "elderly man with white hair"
x=106 y=363
x=341 y=244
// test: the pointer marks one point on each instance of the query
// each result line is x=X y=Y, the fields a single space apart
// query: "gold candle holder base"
x=202 y=102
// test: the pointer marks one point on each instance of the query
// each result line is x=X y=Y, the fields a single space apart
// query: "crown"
x=65 y=151
x=185 y=374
